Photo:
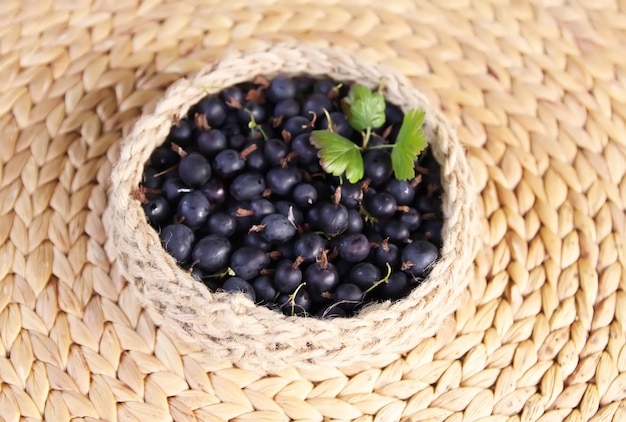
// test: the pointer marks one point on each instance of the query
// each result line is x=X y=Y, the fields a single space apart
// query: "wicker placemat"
x=538 y=93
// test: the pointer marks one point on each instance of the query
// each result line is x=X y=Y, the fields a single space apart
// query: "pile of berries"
x=240 y=199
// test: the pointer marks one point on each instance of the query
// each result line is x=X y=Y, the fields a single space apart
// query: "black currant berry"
x=211 y=253
x=418 y=257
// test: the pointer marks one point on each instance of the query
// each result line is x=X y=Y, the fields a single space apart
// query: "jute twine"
x=536 y=92
x=231 y=326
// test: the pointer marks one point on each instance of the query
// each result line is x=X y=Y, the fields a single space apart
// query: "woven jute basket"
x=536 y=91
x=230 y=325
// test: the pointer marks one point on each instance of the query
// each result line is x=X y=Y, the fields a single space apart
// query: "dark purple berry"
x=248 y=261
x=193 y=208
x=194 y=170
x=418 y=257
x=177 y=240
x=237 y=284
x=211 y=253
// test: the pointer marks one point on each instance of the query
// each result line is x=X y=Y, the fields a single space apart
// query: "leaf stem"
x=382 y=146
x=368 y=133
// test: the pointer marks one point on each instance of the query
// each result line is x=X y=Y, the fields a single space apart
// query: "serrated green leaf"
x=410 y=141
x=338 y=155
x=364 y=108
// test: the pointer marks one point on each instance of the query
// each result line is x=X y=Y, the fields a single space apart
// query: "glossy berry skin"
x=213 y=109
x=289 y=210
x=237 y=284
x=247 y=186
x=157 y=210
x=163 y=158
x=211 y=253
x=211 y=142
x=396 y=287
x=278 y=228
x=248 y=261
x=389 y=255
x=377 y=166
x=228 y=163
x=297 y=125
x=232 y=95
x=381 y=205
x=194 y=209
x=364 y=275
x=333 y=219
x=411 y=219
x=401 y=190
x=354 y=247
x=348 y=295
x=308 y=246
x=282 y=180
x=214 y=191
x=194 y=170
x=321 y=278
x=256 y=160
x=396 y=231
x=301 y=145
x=287 y=277
x=177 y=240
x=351 y=195
x=316 y=103
x=340 y=124
x=151 y=179
x=264 y=289
x=221 y=223
x=426 y=204
x=275 y=150
x=355 y=222
x=324 y=86
x=420 y=255
x=256 y=240
x=174 y=189
x=287 y=108
x=281 y=88
x=181 y=133
x=261 y=207
x=304 y=195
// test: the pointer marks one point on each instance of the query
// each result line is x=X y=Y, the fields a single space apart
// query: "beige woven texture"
x=538 y=93
x=252 y=337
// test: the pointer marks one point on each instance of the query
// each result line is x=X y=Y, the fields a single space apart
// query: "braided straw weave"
x=231 y=326
x=537 y=92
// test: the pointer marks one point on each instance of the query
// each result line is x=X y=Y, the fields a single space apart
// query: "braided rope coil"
x=229 y=325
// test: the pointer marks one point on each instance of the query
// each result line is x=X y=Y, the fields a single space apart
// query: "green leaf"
x=338 y=155
x=410 y=141
x=364 y=108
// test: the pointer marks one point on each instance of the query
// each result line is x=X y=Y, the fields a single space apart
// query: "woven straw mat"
x=537 y=91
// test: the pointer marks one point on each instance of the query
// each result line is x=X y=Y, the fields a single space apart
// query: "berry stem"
x=254 y=125
x=229 y=271
x=366 y=138
x=292 y=298
x=381 y=281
